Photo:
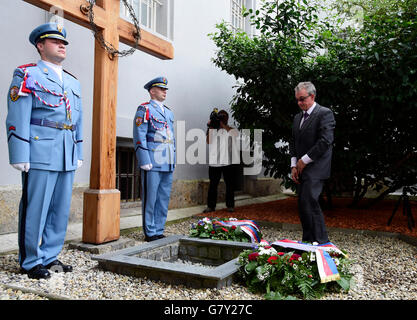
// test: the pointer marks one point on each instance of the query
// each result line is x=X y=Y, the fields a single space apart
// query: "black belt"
x=148 y=139
x=53 y=124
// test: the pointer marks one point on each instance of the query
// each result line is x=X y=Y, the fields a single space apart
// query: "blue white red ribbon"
x=326 y=266
x=247 y=226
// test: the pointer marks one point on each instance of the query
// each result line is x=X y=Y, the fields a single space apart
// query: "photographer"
x=223 y=158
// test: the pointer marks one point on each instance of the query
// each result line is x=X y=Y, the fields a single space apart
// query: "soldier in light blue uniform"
x=44 y=130
x=154 y=141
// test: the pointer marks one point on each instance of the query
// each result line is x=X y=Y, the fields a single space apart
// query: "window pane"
x=144 y=13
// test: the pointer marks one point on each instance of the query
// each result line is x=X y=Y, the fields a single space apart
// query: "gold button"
x=45 y=70
x=36 y=138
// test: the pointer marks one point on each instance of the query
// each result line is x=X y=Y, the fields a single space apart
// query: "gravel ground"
x=384 y=269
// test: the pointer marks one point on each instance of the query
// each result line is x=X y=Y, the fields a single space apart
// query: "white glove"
x=79 y=164
x=146 y=167
x=25 y=166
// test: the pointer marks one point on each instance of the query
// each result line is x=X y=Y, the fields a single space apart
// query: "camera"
x=215 y=119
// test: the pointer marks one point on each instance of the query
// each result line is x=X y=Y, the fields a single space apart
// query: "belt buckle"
x=67 y=127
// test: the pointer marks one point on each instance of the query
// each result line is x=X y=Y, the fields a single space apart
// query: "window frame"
x=151 y=22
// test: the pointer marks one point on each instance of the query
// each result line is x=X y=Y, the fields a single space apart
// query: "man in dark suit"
x=311 y=155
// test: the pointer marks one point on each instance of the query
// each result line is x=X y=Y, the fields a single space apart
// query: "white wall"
x=195 y=84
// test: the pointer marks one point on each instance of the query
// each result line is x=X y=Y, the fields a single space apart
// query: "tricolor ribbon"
x=247 y=226
x=326 y=266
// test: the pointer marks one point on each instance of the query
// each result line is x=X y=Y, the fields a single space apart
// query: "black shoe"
x=208 y=209
x=149 y=239
x=58 y=266
x=37 y=272
x=161 y=236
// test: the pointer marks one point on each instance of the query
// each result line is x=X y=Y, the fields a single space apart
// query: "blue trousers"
x=156 y=190
x=43 y=215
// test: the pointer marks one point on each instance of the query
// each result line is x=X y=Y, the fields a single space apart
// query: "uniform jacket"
x=153 y=137
x=44 y=147
x=314 y=138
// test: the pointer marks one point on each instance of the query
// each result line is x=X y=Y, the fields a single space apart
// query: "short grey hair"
x=308 y=86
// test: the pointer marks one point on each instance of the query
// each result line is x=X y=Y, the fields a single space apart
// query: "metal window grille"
x=127 y=173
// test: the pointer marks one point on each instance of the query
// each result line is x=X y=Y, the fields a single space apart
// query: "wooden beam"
x=102 y=201
x=150 y=43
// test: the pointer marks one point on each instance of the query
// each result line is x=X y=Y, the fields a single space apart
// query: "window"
x=127 y=174
x=154 y=15
x=239 y=23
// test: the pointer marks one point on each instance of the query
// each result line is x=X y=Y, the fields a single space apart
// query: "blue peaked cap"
x=50 y=30
x=161 y=82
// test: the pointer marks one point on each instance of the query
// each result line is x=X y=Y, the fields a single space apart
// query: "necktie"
x=305 y=116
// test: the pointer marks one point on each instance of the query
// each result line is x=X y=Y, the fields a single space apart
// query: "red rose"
x=272 y=260
x=295 y=256
x=225 y=230
x=233 y=227
x=213 y=232
x=253 y=256
x=280 y=253
x=268 y=247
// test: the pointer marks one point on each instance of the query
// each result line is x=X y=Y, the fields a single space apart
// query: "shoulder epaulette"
x=70 y=74
x=144 y=104
x=27 y=65
x=20 y=70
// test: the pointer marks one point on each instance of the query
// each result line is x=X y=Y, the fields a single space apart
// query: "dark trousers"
x=229 y=175
x=311 y=216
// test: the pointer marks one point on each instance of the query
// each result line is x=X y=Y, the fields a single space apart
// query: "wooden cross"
x=101 y=210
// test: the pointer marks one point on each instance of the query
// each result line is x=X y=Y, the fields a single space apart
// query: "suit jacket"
x=153 y=137
x=314 y=138
x=44 y=147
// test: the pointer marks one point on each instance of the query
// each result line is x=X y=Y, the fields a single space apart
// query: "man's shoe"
x=149 y=239
x=208 y=209
x=58 y=266
x=37 y=272
x=161 y=236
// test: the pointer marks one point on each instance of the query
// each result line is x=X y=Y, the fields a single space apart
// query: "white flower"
x=294 y=266
x=315 y=243
x=271 y=251
x=312 y=256
x=207 y=220
x=232 y=219
x=336 y=261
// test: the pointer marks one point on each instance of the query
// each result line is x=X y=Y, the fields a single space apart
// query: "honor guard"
x=154 y=141
x=44 y=132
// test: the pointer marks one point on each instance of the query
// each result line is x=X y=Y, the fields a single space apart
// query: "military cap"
x=161 y=82
x=49 y=30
